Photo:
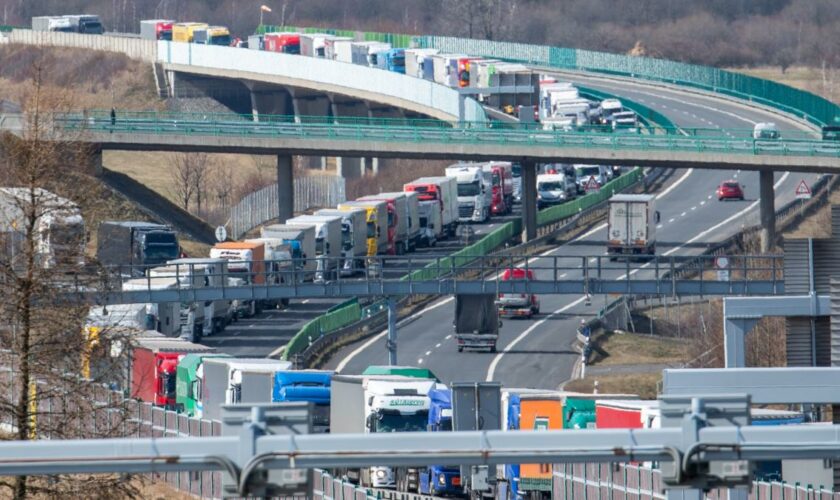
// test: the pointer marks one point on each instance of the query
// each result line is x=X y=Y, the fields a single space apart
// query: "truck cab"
x=185 y=32
x=301 y=239
x=287 y=43
x=501 y=177
x=328 y=242
x=377 y=220
x=518 y=304
x=430 y=223
x=474 y=191
x=394 y=60
x=214 y=272
x=213 y=35
x=306 y=385
x=187 y=386
x=353 y=238
x=402 y=219
x=440 y=480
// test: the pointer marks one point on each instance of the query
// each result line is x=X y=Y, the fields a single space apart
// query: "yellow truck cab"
x=185 y=32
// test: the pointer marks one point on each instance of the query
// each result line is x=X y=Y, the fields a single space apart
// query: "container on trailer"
x=187 y=386
x=185 y=32
x=367 y=53
x=215 y=273
x=236 y=380
x=284 y=42
x=418 y=63
x=627 y=414
x=302 y=241
x=314 y=44
x=353 y=238
x=306 y=385
x=430 y=223
x=156 y=29
x=328 y=239
x=256 y=42
x=339 y=49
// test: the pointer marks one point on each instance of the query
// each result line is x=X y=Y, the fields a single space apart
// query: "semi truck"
x=59 y=228
x=328 y=242
x=501 y=178
x=477 y=406
x=224 y=381
x=306 y=385
x=153 y=366
x=215 y=274
x=518 y=304
x=195 y=318
x=377 y=220
x=86 y=24
x=353 y=238
x=631 y=226
x=367 y=53
x=185 y=32
x=418 y=63
x=431 y=228
x=476 y=322
x=287 y=43
x=212 y=35
x=164 y=317
x=440 y=480
x=314 y=44
x=246 y=261
x=187 y=388
x=301 y=241
x=399 y=220
x=339 y=49
x=392 y=60
x=366 y=404
x=156 y=29
x=136 y=244
x=445 y=191
x=52 y=23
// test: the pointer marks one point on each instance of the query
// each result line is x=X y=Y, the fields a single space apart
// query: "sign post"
x=803 y=192
x=722 y=265
x=221 y=234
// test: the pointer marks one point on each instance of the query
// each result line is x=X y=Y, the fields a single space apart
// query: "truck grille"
x=465 y=210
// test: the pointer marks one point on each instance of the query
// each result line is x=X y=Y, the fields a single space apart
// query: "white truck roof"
x=153 y=283
x=639 y=198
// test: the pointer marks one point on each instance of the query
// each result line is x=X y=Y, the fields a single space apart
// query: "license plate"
x=456 y=481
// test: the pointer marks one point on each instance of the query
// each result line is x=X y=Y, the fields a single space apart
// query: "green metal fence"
x=568 y=209
x=337 y=317
x=803 y=104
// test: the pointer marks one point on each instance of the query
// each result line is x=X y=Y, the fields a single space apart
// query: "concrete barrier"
x=134 y=48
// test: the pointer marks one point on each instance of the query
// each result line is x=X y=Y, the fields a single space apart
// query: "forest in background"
x=731 y=33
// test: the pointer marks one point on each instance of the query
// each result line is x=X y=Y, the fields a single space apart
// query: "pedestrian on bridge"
x=113 y=116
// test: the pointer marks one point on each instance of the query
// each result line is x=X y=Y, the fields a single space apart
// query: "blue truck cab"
x=306 y=385
x=511 y=471
x=394 y=60
x=440 y=479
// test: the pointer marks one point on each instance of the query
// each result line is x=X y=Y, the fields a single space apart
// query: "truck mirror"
x=656 y=216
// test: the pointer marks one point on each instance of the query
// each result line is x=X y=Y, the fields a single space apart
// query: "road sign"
x=221 y=233
x=803 y=192
x=592 y=185
x=721 y=262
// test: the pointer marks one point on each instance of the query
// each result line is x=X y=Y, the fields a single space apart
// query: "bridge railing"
x=135 y=48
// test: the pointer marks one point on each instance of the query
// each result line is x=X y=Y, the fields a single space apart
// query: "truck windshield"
x=395 y=422
x=66 y=235
x=161 y=252
x=168 y=385
x=220 y=40
x=371 y=232
x=469 y=188
x=319 y=246
x=550 y=186
x=497 y=180
x=587 y=171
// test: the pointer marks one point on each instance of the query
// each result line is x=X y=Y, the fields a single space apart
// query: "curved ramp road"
x=537 y=352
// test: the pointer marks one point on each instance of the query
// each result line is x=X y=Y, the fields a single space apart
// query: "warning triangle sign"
x=803 y=191
x=591 y=185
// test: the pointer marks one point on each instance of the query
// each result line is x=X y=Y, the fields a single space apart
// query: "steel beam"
x=529 y=200
x=764 y=385
x=767 y=203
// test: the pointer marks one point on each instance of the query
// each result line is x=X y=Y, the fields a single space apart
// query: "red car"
x=518 y=304
x=730 y=190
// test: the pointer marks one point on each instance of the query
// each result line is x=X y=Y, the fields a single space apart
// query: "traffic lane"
x=263 y=333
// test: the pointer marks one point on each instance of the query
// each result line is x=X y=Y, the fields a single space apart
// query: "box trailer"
x=353 y=238
x=328 y=242
x=235 y=380
x=443 y=189
x=156 y=29
x=631 y=226
x=377 y=224
x=153 y=365
x=301 y=238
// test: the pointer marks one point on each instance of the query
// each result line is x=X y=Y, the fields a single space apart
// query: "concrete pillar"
x=270 y=102
x=285 y=188
x=767 y=204
x=95 y=161
x=529 y=200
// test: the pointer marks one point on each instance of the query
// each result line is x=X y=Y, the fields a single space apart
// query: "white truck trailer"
x=221 y=382
x=327 y=242
x=215 y=275
x=302 y=243
x=445 y=191
x=163 y=317
x=631 y=228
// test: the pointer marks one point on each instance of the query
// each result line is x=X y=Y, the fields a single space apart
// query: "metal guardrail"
x=168 y=124
x=444 y=275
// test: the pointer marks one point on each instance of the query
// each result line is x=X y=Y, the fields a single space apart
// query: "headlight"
x=477 y=213
x=442 y=480
x=380 y=474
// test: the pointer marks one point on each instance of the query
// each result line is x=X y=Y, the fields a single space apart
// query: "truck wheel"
x=460 y=349
x=493 y=348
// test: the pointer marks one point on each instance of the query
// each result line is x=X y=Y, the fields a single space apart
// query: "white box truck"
x=215 y=275
x=445 y=191
x=195 y=321
x=631 y=228
x=338 y=49
x=220 y=382
x=353 y=238
x=327 y=242
x=314 y=44
x=418 y=63
x=301 y=240
x=475 y=191
x=163 y=317
x=430 y=225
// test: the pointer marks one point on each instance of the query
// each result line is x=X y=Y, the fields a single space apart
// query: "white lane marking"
x=702 y=203
x=682 y=214
x=675 y=184
x=437 y=345
x=659 y=226
x=694 y=207
x=491 y=371
x=420 y=361
x=670 y=220
x=734 y=176
x=563 y=275
x=304 y=301
x=381 y=334
x=709 y=197
x=428 y=353
x=448 y=336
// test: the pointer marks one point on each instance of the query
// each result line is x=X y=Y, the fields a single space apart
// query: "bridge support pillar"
x=529 y=201
x=95 y=161
x=392 y=331
x=285 y=188
x=768 y=209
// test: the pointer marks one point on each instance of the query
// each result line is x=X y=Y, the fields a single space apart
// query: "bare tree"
x=221 y=186
x=183 y=179
x=43 y=392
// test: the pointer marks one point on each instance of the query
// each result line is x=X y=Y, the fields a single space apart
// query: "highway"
x=538 y=352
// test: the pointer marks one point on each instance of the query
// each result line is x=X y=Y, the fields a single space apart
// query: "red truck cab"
x=502 y=176
x=287 y=43
x=518 y=304
x=464 y=71
x=153 y=366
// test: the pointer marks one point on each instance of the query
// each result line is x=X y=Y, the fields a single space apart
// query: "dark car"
x=730 y=190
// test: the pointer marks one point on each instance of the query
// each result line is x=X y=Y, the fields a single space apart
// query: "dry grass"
x=817 y=225
x=825 y=83
x=635 y=349
x=642 y=384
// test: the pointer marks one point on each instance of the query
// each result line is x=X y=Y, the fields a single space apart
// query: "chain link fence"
x=262 y=206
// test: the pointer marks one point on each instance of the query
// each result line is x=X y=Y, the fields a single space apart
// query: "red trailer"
x=502 y=175
x=627 y=414
x=287 y=43
x=153 y=364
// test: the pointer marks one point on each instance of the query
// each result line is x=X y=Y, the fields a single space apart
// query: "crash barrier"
x=135 y=48
x=803 y=104
x=261 y=206
x=492 y=241
x=588 y=480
